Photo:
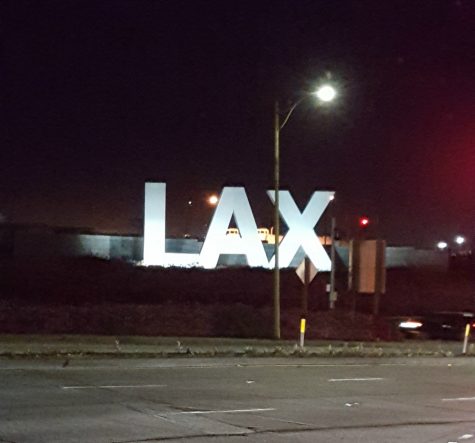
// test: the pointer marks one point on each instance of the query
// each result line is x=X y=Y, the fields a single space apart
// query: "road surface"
x=238 y=400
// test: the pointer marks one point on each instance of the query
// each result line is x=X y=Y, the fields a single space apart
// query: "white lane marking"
x=465 y=436
x=113 y=386
x=391 y=364
x=310 y=365
x=459 y=399
x=224 y=411
x=356 y=379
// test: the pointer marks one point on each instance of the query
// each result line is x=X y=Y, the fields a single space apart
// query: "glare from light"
x=332 y=197
x=459 y=240
x=364 y=221
x=442 y=245
x=213 y=200
x=410 y=324
x=326 y=93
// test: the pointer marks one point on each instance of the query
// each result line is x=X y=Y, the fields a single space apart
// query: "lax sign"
x=234 y=202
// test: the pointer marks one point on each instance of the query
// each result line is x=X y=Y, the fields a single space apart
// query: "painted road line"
x=302 y=365
x=356 y=379
x=113 y=387
x=223 y=411
x=459 y=399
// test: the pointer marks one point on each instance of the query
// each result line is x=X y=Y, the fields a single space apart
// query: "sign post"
x=306 y=271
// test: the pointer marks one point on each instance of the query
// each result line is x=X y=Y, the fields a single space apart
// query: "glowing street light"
x=206 y=200
x=325 y=94
x=213 y=200
x=442 y=245
x=459 y=240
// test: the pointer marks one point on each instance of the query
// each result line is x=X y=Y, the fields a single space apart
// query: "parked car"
x=439 y=325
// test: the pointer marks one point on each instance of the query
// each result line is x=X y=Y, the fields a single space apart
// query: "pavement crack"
x=293 y=430
x=183 y=437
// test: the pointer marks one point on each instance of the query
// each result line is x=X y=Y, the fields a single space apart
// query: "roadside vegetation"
x=93 y=296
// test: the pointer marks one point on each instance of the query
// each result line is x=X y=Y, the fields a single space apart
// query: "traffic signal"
x=363 y=222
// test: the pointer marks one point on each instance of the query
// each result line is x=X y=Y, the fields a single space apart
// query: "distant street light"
x=325 y=93
x=204 y=200
x=442 y=245
x=213 y=200
x=459 y=240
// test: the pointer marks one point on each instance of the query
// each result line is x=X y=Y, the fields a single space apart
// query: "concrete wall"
x=46 y=242
x=84 y=245
x=408 y=257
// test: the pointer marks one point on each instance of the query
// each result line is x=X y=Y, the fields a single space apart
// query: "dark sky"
x=98 y=97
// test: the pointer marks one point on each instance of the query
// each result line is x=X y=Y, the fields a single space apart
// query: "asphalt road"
x=238 y=400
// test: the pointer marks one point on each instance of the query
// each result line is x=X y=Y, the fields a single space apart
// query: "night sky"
x=98 y=97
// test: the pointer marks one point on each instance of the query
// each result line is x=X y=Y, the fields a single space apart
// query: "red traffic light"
x=363 y=222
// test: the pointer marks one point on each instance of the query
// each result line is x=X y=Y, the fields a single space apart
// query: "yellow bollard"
x=465 y=339
x=302 y=332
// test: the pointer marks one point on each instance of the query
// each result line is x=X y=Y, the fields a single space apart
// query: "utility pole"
x=276 y=221
x=332 y=294
x=325 y=93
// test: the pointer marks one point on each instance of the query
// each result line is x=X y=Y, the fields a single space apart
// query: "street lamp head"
x=442 y=245
x=213 y=200
x=459 y=240
x=325 y=93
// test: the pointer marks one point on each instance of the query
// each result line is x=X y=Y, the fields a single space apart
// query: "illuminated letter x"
x=301 y=229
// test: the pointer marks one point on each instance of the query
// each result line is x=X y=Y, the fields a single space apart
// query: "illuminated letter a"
x=233 y=201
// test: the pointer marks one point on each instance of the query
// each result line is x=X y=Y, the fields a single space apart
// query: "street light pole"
x=324 y=93
x=276 y=221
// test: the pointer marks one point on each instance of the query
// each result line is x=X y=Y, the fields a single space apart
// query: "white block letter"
x=154 y=224
x=301 y=229
x=233 y=201
x=154 y=253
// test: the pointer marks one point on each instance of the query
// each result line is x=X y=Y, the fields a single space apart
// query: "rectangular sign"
x=367 y=268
